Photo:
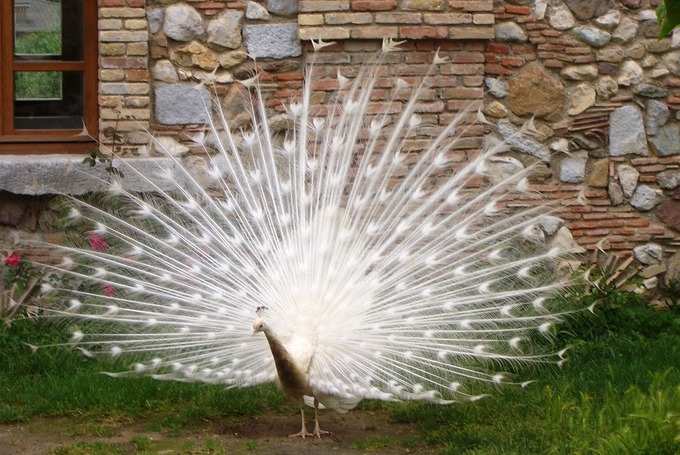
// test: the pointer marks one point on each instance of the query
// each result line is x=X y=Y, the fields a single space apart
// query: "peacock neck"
x=291 y=378
x=278 y=349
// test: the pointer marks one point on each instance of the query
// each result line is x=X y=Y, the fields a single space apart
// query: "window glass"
x=48 y=100
x=38 y=85
x=48 y=29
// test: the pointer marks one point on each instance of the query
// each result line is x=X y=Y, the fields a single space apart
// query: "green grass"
x=58 y=382
x=619 y=393
x=147 y=447
x=615 y=398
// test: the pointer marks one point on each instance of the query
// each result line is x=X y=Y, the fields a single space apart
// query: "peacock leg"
x=317 y=429
x=303 y=431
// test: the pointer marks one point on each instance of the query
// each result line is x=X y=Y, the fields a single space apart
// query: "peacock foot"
x=302 y=434
x=318 y=431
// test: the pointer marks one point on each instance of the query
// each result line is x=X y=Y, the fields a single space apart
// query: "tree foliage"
x=668 y=14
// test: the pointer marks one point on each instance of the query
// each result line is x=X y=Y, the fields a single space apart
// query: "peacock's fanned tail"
x=409 y=273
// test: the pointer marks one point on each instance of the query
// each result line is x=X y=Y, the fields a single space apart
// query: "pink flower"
x=13 y=260
x=108 y=290
x=97 y=242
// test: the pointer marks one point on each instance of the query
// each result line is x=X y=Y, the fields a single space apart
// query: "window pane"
x=38 y=85
x=48 y=100
x=48 y=29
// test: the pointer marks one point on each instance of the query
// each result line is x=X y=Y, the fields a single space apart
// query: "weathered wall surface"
x=602 y=90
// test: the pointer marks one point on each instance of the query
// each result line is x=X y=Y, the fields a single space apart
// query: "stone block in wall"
x=669 y=179
x=522 y=142
x=278 y=40
x=573 y=169
x=282 y=7
x=560 y=17
x=588 y=9
x=598 y=176
x=155 y=18
x=510 y=31
x=225 y=29
x=535 y=91
x=164 y=71
x=256 y=11
x=645 y=198
x=182 y=22
x=195 y=54
x=666 y=142
x=592 y=36
x=672 y=61
x=181 y=104
x=627 y=132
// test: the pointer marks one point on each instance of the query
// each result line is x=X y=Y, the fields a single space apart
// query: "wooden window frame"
x=41 y=140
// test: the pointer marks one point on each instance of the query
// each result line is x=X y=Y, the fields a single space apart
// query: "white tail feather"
x=400 y=285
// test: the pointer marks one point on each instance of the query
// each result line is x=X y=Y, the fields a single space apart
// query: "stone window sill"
x=67 y=174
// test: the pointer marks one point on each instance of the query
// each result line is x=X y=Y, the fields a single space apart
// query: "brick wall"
x=406 y=19
x=124 y=86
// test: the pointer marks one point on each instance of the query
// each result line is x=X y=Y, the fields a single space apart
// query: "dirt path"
x=355 y=433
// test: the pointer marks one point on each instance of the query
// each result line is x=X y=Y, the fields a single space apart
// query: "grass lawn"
x=619 y=393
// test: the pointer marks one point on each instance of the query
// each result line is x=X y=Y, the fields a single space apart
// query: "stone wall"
x=187 y=47
x=600 y=92
x=604 y=95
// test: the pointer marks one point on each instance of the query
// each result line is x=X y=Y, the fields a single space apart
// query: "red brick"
x=423 y=31
x=123 y=62
x=137 y=75
x=373 y=5
x=498 y=48
x=515 y=9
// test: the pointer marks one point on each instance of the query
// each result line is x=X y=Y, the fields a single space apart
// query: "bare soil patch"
x=355 y=433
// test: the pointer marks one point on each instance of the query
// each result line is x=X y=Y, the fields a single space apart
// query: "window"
x=48 y=75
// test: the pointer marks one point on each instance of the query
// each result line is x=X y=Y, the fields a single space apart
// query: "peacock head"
x=258 y=324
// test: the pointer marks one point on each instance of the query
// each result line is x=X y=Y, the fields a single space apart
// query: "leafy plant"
x=609 y=273
x=116 y=139
x=19 y=282
x=96 y=156
x=668 y=13
x=669 y=293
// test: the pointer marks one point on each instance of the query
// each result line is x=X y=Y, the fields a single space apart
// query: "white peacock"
x=330 y=260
